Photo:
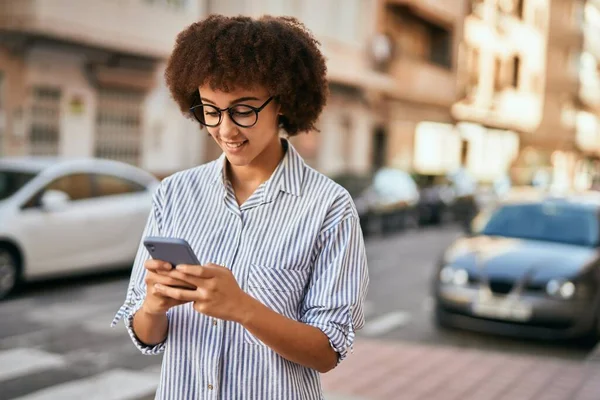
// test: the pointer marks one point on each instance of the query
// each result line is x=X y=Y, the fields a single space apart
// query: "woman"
x=283 y=275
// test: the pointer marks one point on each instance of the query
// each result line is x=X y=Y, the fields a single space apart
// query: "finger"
x=187 y=278
x=157 y=265
x=177 y=294
x=169 y=280
x=198 y=271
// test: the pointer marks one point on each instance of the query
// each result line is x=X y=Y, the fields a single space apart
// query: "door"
x=58 y=240
x=123 y=207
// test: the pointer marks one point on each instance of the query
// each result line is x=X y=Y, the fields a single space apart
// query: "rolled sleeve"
x=136 y=292
x=335 y=298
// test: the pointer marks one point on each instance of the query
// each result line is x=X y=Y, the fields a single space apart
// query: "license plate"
x=499 y=308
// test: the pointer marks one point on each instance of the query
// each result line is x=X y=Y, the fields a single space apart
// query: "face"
x=243 y=146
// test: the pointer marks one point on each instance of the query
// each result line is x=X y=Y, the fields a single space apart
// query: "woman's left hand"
x=217 y=293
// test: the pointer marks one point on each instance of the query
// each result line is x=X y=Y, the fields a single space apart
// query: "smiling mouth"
x=234 y=145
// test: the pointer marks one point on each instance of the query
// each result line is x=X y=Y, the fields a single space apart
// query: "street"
x=56 y=342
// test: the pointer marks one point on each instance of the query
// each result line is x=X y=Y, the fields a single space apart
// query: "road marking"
x=386 y=323
x=19 y=362
x=117 y=384
x=59 y=314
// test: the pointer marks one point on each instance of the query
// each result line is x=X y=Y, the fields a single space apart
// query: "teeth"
x=234 y=145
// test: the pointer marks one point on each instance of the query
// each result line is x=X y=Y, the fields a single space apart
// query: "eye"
x=241 y=113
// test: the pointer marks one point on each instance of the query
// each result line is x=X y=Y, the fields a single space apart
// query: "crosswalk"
x=71 y=353
x=118 y=384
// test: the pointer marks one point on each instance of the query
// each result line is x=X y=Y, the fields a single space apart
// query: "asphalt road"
x=55 y=338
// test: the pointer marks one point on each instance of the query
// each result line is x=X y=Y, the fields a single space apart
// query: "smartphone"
x=172 y=250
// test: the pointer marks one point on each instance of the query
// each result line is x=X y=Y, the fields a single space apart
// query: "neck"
x=259 y=170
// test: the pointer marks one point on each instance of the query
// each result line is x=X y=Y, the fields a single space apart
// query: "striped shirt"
x=295 y=245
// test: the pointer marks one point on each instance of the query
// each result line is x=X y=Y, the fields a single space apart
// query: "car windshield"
x=394 y=184
x=12 y=181
x=562 y=223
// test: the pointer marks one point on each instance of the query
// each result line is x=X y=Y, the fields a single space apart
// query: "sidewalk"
x=401 y=371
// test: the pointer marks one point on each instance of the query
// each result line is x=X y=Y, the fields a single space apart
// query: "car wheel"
x=10 y=272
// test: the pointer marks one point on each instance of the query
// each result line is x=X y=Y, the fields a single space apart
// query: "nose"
x=227 y=128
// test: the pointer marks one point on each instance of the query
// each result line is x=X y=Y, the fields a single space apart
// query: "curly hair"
x=230 y=53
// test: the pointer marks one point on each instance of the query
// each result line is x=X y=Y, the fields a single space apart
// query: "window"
x=516 y=71
x=77 y=186
x=498 y=75
x=560 y=223
x=441 y=46
x=119 y=125
x=519 y=9
x=12 y=181
x=44 y=130
x=108 y=185
x=379 y=146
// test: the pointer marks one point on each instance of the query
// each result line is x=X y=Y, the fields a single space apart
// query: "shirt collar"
x=287 y=177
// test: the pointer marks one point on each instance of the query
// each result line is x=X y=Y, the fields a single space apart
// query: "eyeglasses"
x=242 y=115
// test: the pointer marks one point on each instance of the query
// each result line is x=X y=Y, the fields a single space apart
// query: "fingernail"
x=158 y=286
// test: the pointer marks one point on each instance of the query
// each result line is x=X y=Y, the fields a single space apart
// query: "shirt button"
x=210 y=387
x=214 y=322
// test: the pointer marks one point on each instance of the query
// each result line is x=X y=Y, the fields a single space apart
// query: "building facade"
x=502 y=81
x=85 y=79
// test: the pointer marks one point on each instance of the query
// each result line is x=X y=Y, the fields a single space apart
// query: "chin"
x=238 y=160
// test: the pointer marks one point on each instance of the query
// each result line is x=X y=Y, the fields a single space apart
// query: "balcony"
x=422 y=82
x=142 y=27
x=591 y=40
x=508 y=109
x=589 y=94
x=441 y=11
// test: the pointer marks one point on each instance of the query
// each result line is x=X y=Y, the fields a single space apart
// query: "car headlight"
x=453 y=275
x=560 y=288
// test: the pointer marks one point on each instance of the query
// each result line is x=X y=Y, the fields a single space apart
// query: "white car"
x=62 y=217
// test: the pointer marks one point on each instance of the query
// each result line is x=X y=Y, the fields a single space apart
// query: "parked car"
x=446 y=198
x=386 y=201
x=62 y=217
x=530 y=267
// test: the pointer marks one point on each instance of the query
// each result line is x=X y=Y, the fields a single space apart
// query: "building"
x=502 y=81
x=84 y=79
x=567 y=142
x=414 y=51
x=346 y=125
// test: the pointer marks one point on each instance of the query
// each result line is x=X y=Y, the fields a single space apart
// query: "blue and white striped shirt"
x=295 y=245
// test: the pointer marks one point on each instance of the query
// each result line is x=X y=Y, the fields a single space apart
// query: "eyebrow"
x=205 y=100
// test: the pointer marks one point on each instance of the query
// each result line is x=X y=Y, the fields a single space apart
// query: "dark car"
x=386 y=201
x=446 y=198
x=529 y=268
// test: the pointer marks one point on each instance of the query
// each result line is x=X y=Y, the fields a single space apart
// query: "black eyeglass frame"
x=228 y=109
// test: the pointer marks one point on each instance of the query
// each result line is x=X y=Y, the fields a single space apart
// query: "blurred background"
x=441 y=112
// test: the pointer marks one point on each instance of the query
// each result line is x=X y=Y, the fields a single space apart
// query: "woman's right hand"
x=158 y=271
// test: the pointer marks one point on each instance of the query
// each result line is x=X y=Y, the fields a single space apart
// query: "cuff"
x=340 y=333
x=144 y=348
